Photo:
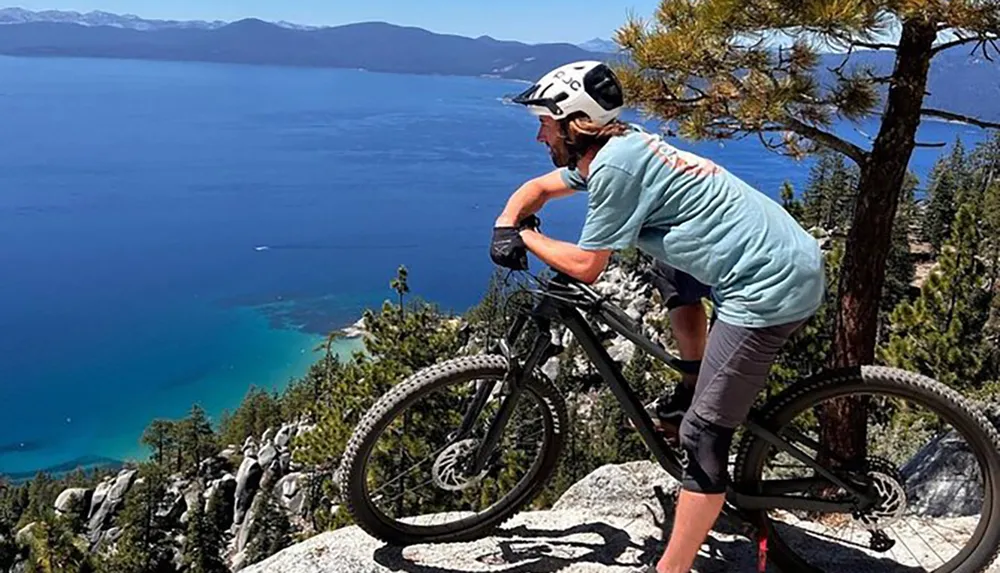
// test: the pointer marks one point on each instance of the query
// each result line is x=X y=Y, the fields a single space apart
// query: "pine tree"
x=270 y=532
x=15 y=505
x=144 y=546
x=949 y=175
x=197 y=437
x=400 y=339
x=11 y=508
x=204 y=543
x=486 y=319
x=352 y=391
x=794 y=207
x=41 y=495
x=56 y=546
x=804 y=353
x=321 y=376
x=899 y=266
x=413 y=335
x=160 y=435
x=940 y=333
x=732 y=82
x=989 y=250
x=258 y=411
x=828 y=200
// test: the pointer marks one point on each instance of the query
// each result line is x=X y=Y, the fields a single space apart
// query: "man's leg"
x=735 y=367
x=696 y=514
x=682 y=295
x=689 y=325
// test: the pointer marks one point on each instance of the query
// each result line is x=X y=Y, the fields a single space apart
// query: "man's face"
x=550 y=134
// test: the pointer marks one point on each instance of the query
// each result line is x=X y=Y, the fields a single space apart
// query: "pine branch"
x=840 y=69
x=767 y=144
x=854 y=43
x=678 y=100
x=958 y=117
x=979 y=39
x=875 y=45
x=828 y=139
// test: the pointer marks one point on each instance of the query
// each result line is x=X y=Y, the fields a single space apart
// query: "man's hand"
x=508 y=249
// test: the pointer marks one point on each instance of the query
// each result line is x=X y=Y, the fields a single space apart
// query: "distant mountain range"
x=958 y=82
x=374 y=46
x=127 y=21
x=600 y=45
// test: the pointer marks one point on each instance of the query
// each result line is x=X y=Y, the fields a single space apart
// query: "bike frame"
x=565 y=307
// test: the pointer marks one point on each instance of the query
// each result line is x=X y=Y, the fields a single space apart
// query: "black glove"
x=508 y=249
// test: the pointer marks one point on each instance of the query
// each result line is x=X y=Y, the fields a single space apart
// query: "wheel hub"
x=448 y=471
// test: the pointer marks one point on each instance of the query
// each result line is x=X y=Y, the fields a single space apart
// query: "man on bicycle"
x=711 y=235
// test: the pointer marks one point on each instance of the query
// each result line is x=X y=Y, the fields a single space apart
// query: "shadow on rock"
x=525 y=549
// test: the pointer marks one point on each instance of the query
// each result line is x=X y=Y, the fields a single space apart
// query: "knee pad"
x=706 y=446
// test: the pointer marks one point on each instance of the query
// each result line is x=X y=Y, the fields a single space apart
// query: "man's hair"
x=582 y=132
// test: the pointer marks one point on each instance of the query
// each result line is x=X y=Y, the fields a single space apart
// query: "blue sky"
x=525 y=20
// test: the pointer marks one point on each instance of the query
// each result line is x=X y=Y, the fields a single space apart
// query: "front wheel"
x=932 y=462
x=403 y=476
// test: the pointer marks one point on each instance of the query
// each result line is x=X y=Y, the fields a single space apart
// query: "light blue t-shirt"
x=763 y=267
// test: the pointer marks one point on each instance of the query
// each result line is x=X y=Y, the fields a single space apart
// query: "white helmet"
x=588 y=86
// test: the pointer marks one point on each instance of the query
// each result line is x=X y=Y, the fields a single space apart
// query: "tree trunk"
x=869 y=238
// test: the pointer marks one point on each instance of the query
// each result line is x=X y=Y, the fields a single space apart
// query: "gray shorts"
x=737 y=359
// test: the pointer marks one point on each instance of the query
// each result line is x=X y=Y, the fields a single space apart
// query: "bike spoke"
x=405 y=472
x=418 y=466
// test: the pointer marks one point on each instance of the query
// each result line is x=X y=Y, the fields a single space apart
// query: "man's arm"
x=581 y=264
x=531 y=196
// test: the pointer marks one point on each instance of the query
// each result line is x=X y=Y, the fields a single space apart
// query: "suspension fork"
x=514 y=380
x=485 y=388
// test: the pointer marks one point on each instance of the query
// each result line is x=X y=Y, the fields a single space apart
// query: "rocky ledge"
x=615 y=520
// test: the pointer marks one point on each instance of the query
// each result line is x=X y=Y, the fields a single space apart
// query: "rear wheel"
x=933 y=459
x=403 y=475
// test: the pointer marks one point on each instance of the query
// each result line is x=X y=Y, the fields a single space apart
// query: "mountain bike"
x=466 y=420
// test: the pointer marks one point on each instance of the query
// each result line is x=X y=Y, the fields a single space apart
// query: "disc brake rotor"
x=888 y=484
x=448 y=471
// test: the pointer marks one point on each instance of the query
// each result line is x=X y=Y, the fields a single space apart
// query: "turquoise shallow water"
x=173 y=233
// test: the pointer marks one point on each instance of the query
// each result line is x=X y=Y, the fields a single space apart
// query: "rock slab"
x=611 y=522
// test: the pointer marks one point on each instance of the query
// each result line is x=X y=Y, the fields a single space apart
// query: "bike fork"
x=485 y=389
x=514 y=381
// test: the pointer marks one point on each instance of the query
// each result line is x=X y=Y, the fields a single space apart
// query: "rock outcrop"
x=615 y=520
x=611 y=521
x=107 y=500
x=266 y=460
x=74 y=501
